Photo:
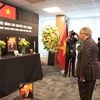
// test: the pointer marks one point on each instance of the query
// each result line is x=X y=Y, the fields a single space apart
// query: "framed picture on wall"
x=11 y=43
x=26 y=91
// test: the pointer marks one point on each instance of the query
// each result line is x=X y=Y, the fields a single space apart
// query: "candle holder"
x=34 y=47
x=34 y=51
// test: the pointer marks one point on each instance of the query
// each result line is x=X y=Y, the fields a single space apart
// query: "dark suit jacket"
x=71 y=45
x=30 y=95
x=87 y=63
x=98 y=52
x=14 y=47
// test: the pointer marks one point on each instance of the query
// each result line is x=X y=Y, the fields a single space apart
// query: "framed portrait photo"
x=12 y=44
x=26 y=91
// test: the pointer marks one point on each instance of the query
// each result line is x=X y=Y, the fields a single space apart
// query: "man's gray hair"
x=86 y=30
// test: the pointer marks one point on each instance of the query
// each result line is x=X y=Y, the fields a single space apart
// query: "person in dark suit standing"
x=71 y=52
x=27 y=93
x=98 y=47
x=87 y=69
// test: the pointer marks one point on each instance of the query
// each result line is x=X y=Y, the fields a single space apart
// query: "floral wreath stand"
x=51 y=59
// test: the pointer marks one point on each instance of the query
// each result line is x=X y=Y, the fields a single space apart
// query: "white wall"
x=93 y=23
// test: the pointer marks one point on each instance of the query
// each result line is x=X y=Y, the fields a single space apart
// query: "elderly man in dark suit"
x=87 y=69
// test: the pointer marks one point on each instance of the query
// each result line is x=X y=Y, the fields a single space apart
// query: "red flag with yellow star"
x=7 y=11
x=62 y=49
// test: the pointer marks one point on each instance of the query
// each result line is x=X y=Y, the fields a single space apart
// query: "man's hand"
x=67 y=39
x=82 y=79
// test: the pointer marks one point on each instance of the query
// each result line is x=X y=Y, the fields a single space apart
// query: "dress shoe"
x=65 y=75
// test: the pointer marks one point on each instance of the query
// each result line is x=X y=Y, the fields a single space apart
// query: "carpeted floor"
x=54 y=87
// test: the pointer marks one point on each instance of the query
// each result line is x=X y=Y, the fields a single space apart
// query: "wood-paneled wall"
x=60 y=23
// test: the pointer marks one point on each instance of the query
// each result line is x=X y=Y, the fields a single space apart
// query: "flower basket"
x=23 y=44
x=51 y=38
x=2 y=45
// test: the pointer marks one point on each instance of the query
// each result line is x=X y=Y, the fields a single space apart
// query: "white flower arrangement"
x=51 y=38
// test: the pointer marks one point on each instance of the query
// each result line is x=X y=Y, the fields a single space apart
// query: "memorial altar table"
x=18 y=69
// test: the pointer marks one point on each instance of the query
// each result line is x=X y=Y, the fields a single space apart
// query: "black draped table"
x=18 y=69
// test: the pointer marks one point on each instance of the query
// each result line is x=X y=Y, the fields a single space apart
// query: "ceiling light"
x=52 y=9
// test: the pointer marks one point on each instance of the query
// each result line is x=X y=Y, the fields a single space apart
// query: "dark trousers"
x=86 y=89
x=71 y=58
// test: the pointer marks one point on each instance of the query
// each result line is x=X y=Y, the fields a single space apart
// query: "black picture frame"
x=26 y=87
x=11 y=44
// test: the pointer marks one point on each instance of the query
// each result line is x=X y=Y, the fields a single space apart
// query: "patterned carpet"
x=54 y=87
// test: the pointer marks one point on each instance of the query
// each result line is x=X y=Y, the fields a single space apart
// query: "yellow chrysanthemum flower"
x=2 y=44
x=23 y=43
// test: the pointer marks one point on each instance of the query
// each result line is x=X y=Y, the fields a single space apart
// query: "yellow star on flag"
x=63 y=47
x=8 y=11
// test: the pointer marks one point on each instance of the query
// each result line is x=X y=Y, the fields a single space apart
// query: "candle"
x=34 y=44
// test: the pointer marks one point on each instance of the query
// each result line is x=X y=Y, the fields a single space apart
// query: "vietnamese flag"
x=62 y=49
x=7 y=11
x=1 y=4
